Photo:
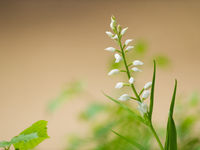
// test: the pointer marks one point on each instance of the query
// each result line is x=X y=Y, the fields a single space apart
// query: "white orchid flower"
x=124 y=97
x=148 y=85
x=118 y=58
x=110 y=34
x=124 y=31
x=145 y=94
x=143 y=108
x=128 y=41
x=135 y=69
x=131 y=80
x=129 y=48
x=110 y=49
x=115 y=37
x=114 y=71
x=138 y=63
x=119 y=85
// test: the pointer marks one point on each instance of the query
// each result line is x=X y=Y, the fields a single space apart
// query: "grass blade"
x=131 y=141
x=127 y=109
x=171 y=135
x=152 y=91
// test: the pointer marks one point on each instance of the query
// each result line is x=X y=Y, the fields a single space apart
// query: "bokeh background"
x=45 y=44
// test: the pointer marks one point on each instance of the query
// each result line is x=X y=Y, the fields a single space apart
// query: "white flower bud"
x=143 y=108
x=119 y=85
x=114 y=71
x=124 y=31
x=147 y=85
x=128 y=41
x=129 y=48
x=135 y=69
x=138 y=63
x=115 y=37
x=131 y=80
x=145 y=94
x=110 y=49
x=109 y=34
x=118 y=58
x=124 y=97
x=113 y=23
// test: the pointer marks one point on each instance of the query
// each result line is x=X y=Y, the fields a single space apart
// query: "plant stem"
x=156 y=136
x=127 y=70
x=135 y=92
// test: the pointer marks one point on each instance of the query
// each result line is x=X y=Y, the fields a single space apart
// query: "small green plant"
x=29 y=138
x=141 y=96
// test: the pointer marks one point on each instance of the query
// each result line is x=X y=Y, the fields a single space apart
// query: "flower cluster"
x=120 y=55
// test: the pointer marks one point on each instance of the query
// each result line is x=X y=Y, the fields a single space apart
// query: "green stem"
x=135 y=92
x=156 y=136
x=127 y=69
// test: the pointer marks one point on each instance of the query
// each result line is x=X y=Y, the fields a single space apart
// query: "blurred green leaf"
x=92 y=111
x=137 y=117
x=194 y=99
x=103 y=130
x=131 y=141
x=75 y=143
x=140 y=47
x=162 y=60
x=40 y=128
x=73 y=89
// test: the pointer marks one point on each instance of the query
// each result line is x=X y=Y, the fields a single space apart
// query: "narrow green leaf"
x=152 y=91
x=171 y=135
x=173 y=100
x=131 y=141
x=127 y=109
x=40 y=127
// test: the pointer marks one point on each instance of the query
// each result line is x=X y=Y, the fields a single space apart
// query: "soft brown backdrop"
x=44 y=44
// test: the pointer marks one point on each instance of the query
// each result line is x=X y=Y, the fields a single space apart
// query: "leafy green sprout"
x=171 y=135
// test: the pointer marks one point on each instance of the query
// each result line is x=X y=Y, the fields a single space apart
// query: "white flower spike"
x=124 y=97
x=129 y=48
x=114 y=71
x=131 y=80
x=145 y=94
x=135 y=69
x=124 y=31
x=128 y=41
x=138 y=63
x=110 y=49
x=109 y=34
x=119 y=85
x=118 y=58
x=143 y=108
x=147 y=85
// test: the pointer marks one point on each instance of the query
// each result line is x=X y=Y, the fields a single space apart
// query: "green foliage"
x=29 y=138
x=131 y=141
x=73 y=89
x=40 y=127
x=137 y=117
x=92 y=111
x=141 y=46
x=171 y=135
x=162 y=60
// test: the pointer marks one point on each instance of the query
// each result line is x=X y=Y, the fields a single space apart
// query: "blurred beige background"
x=45 y=44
